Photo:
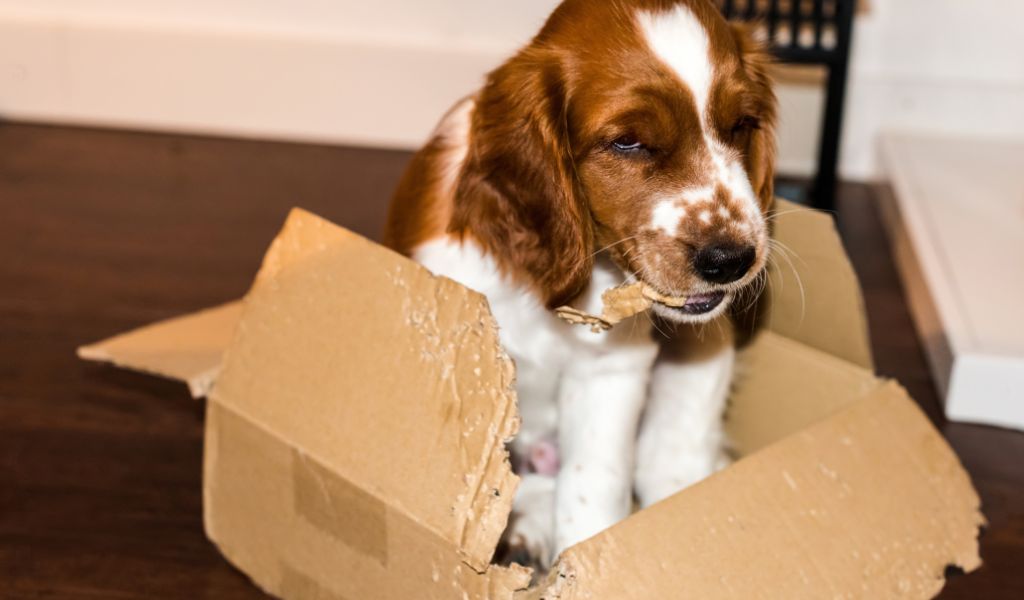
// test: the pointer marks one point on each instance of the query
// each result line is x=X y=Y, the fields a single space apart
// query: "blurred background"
x=380 y=73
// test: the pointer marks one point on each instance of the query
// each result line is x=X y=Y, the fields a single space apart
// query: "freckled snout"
x=724 y=264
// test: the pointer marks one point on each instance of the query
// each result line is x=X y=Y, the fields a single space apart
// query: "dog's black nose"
x=724 y=264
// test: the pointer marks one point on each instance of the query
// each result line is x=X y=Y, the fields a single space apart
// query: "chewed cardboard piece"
x=619 y=304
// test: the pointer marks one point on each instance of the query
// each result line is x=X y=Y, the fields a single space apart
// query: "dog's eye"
x=746 y=123
x=628 y=144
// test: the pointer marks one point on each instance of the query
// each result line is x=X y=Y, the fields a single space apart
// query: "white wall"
x=495 y=23
x=381 y=72
x=378 y=72
x=949 y=66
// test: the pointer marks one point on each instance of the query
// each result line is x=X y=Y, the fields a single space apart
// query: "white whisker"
x=785 y=252
x=610 y=246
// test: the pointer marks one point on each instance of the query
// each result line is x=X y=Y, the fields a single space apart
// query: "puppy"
x=630 y=140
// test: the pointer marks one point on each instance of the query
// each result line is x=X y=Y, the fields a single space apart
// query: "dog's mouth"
x=697 y=308
x=698 y=304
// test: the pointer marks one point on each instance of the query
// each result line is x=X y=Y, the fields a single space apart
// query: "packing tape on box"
x=339 y=508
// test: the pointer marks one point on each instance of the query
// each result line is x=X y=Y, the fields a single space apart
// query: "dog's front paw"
x=529 y=538
x=529 y=548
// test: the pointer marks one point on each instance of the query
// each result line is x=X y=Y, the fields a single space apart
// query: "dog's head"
x=643 y=128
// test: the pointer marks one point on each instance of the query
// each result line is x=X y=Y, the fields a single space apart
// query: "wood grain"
x=101 y=231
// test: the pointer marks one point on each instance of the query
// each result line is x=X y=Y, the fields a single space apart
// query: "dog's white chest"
x=541 y=345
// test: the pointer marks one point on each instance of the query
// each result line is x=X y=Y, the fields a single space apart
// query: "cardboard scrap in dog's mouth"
x=619 y=304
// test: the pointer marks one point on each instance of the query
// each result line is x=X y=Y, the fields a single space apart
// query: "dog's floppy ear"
x=760 y=155
x=517 y=193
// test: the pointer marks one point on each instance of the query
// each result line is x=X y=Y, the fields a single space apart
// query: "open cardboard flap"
x=869 y=503
x=355 y=443
x=188 y=348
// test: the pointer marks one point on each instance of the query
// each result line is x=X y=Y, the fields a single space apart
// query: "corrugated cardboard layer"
x=303 y=532
x=188 y=348
x=388 y=376
x=782 y=386
x=870 y=503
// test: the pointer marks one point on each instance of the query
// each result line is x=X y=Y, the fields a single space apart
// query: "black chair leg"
x=823 y=189
x=823 y=192
x=823 y=13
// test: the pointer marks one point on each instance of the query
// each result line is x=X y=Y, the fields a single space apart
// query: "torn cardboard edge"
x=308 y=341
x=322 y=524
x=454 y=408
x=903 y=514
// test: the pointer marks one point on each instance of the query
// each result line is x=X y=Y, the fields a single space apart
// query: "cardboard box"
x=355 y=444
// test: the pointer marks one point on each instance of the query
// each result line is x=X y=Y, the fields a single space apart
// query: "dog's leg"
x=681 y=439
x=600 y=402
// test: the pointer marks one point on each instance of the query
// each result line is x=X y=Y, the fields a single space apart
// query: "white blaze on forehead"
x=739 y=184
x=679 y=39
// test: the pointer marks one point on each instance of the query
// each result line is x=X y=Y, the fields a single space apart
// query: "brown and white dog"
x=631 y=139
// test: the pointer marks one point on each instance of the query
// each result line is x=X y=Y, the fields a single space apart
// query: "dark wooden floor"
x=102 y=231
